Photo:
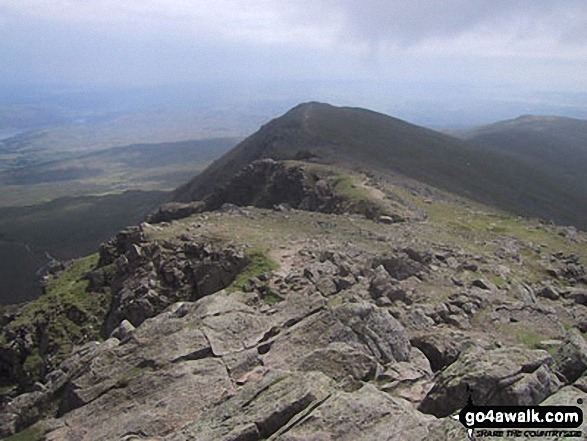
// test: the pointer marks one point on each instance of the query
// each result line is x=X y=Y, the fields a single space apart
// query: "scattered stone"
x=548 y=292
x=123 y=331
x=484 y=284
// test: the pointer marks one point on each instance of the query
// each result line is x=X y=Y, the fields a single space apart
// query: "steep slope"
x=367 y=140
x=536 y=137
x=557 y=146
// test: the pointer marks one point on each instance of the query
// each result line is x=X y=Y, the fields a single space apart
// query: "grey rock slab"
x=97 y=371
x=28 y=408
x=296 y=307
x=164 y=339
x=363 y=327
x=239 y=364
x=235 y=331
x=151 y=402
x=339 y=360
x=507 y=376
x=406 y=381
x=367 y=414
x=569 y=396
x=380 y=331
x=258 y=410
x=312 y=333
x=220 y=303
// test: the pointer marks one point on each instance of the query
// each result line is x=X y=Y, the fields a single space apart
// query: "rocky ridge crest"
x=269 y=321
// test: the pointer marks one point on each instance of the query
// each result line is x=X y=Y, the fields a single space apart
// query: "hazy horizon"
x=448 y=64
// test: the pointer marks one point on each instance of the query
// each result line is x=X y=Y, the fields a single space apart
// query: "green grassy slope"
x=65 y=228
x=372 y=141
x=557 y=146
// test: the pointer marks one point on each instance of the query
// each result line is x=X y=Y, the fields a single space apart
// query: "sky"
x=504 y=45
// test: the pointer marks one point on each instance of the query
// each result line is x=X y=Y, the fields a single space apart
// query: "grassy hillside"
x=556 y=146
x=66 y=204
x=65 y=228
x=371 y=141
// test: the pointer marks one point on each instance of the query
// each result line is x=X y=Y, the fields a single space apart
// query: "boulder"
x=383 y=335
x=570 y=359
x=258 y=410
x=484 y=284
x=548 y=292
x=400 y=266
x=123 y=331
x=339 y=360
x=383 y=285
x=577 y=295
x=506 y=376
x=440 y=346
x=367 y=414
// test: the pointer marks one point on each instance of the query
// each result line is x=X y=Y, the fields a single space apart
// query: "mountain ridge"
x=368 y=140
x=302 y=299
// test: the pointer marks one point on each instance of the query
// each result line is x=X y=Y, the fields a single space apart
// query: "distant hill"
x=557 y=146
x=368 y=140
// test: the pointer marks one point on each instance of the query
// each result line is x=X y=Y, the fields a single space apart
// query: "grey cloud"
x=407 y=23
x=180 y=49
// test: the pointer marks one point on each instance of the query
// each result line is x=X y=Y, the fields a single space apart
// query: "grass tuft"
x=66 y=315
x=260 y=263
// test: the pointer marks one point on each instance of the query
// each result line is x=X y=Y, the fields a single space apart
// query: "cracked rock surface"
x=251 y=323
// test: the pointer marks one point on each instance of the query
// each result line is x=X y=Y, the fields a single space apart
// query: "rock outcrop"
x=247 y=323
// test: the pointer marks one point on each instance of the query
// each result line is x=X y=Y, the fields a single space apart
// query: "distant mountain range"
x=531 y=166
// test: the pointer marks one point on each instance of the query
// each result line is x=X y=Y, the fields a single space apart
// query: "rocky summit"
x=301 y=300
